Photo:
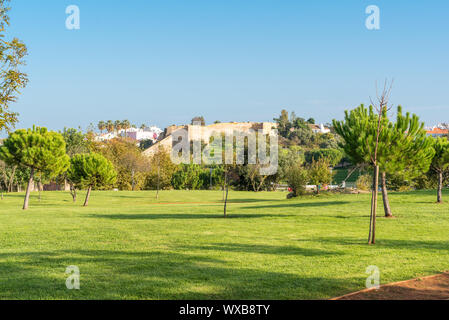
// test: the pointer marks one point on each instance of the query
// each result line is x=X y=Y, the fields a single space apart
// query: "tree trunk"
x=226 y=200
x=39 y=187
x=372 y=233
x=440 y=188
x=132 y=182
x=86 y=202
x=11 y=179
x=224 y=184
x=73 y=192
x=158 y=177
x=387 y=208
x=27 y=194
x=317 y=189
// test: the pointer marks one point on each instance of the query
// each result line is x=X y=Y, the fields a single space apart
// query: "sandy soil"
x=427 y=288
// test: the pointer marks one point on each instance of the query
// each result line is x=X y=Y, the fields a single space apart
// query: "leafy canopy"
x=440 y=161
x=91 y=170
x=403 y=146
x=12 y=54
x=36 y=148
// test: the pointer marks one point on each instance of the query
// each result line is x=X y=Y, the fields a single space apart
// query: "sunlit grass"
x=128 y=245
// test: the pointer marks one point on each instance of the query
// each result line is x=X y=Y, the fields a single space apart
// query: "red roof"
x=438 y=131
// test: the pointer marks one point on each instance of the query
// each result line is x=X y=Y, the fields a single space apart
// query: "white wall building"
x=149 y=133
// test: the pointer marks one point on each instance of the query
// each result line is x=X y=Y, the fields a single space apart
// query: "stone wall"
x=204 y=133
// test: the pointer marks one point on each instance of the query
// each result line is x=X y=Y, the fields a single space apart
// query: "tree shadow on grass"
x=107 y=274
x=183 y=216
x=302 y=204
x=264 y=249
x=387 y=243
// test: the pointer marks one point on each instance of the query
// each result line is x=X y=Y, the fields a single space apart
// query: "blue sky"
x=163 y=62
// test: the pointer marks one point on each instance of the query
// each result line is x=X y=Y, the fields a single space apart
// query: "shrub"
x=297 y=177
x=364 y=182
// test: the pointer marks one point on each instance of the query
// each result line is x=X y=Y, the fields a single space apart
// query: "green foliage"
x=92 y=171
x=145 y=144
x=333 y=155
x=440 y=161
x=364 y=182
x=288 y=157
x=188 y=176
x=76 y=141
x=161 y=171
x=131 y=165
x=12 y=177
x=311 y=120
x=195 y=177
x=38 y=149
x=297 y=177
x=12 y=80
x=284 y=124
x=180 y=248
x=403 y=146
x=319 y=172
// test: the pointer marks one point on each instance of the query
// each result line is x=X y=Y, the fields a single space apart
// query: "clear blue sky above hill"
x=163 y=62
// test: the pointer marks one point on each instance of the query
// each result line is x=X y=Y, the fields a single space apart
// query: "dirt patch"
x=427 y=288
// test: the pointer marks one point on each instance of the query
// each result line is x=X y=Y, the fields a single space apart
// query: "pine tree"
x=440 y=163
x=401 y=147
x=38 y=149
x=91 y=171
x=406 y=151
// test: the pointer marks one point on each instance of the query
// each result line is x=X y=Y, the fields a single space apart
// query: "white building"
x=149 y=133
x=319 y=128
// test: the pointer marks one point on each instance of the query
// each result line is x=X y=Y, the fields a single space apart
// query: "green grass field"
x=127 y=245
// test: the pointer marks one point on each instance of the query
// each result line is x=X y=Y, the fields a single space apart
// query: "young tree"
x=12 y=54
x=76 y=142
x=440 y=163
x=407 y=152
x=91 y=171
x=296 y=176
x=8 y=175
x=161 y=170
x=362 y=133
x=370 y=138
x=319 y=173
x=284 y=124
x=38 y=149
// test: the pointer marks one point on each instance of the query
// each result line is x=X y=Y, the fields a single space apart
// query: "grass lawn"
x=127 y=245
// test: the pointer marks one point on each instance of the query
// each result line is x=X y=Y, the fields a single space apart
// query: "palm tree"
x=126 y=125
x=101 y=126
x=109 y=126
x=117 y=126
